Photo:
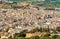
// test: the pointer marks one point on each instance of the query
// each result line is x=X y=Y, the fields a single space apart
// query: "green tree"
x=11 y=38
x=54 y=37
x=34 y=37
x=21 y=38
x=21 y=34
x=58 y=37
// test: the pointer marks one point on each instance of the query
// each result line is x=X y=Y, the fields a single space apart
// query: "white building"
x=7 y=1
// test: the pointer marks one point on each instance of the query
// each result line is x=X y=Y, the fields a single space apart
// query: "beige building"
x=28 y=35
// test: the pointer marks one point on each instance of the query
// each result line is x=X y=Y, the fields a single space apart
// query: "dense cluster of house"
x=14 y=21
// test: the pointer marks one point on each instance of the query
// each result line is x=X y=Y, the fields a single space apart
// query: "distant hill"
x=25 y=0
x=30 y=0
x=43 y=3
